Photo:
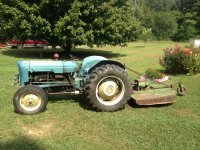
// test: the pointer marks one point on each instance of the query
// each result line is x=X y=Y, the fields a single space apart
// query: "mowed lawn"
x=69 y=124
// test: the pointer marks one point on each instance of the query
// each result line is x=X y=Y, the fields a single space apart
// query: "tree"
x=186 y=30
x=188 y=20
x=145 y=34
x=144 y=14
x=19 y=20
x=161 y=5
x=165 y=25
x=70 y=22
x=156 y=14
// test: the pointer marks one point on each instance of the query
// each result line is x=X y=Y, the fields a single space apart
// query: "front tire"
x=30 y=100
x=108 y=88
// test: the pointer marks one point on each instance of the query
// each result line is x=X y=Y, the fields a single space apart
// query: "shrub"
x=181 y=60
x=152 y=73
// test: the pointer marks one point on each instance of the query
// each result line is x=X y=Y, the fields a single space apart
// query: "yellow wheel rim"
x=110 y=90
x=30 y=102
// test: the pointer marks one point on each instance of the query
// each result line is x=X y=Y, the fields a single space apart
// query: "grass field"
x=68 y=124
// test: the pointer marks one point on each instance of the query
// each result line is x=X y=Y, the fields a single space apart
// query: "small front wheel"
x=30 y=100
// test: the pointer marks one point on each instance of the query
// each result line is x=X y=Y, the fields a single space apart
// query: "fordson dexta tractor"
x=104 y=82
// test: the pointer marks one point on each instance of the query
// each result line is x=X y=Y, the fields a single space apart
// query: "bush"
x=181 y=60
x=152 y=73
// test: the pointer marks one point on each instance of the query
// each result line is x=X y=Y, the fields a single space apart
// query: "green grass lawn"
x=68 y=124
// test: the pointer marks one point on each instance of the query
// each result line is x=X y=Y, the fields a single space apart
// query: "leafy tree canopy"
x=69 y=22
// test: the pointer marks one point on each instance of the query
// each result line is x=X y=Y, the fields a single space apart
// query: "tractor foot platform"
x=154 y=96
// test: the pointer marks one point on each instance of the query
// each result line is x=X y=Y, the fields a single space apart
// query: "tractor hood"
x=48 y=66
x=44 y=66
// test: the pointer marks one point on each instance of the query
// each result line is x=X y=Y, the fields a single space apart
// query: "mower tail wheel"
x=30 y=100
x=181 y=90
x=108 y=88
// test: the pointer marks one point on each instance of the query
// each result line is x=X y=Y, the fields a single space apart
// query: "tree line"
x=178 y=20
x=101 y=22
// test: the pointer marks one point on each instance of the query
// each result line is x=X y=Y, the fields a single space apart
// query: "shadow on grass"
x=82 y=53
x=133 y=104
x=48 y=53
x=80 y=99
x=21 y=143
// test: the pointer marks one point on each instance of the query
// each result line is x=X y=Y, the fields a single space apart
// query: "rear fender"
x=105 y=62
x=89 y=62
x=92 y=62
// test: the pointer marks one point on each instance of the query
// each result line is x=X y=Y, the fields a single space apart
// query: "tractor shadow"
x=132 y=103
x=81 y=100
x=80 y=53
x=21 y=143
x=64 y=98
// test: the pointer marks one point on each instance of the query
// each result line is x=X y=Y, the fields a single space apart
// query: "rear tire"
x=108 y=88
x=30 y=100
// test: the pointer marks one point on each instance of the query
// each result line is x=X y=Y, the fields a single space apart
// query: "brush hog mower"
x=104 y=82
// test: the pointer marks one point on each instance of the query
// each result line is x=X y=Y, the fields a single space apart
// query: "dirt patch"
x=41 y=129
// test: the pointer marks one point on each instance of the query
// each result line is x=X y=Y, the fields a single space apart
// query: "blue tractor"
x=105 y=83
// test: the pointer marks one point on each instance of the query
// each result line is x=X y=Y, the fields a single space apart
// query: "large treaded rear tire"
x=30 y=100
x=108 y=88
